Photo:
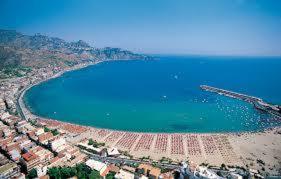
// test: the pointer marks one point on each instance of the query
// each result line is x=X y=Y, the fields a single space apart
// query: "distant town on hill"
x=19 y=53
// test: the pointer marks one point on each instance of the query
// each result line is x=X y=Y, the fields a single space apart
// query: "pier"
x=232 y=94
x=258 y=103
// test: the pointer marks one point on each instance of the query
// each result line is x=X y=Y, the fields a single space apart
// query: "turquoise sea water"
x=162 y=95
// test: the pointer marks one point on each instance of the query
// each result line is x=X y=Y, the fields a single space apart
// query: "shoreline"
x=231 y=148
x=24 y=110
x=22 y=106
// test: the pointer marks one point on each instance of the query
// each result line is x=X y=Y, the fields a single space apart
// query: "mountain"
x=20 y=51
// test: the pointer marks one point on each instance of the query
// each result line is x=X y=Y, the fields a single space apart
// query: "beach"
x=233 y=149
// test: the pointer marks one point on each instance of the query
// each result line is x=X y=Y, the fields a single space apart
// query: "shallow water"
x=162 y=95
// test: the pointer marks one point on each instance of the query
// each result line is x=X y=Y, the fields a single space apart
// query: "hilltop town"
x=34 y=147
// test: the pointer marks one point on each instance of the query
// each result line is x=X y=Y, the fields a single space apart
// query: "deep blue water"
x=162 y=95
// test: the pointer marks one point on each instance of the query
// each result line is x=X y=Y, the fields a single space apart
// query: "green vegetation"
x=19 y=52
x=145 y=158
x=53 y=131
x=11 y=71
x=90 y=142
x=33 y=122
x=165 y=160
x=154 y=164
x=164 y=170
x=80 y=170
x=46 y=129
x=126 y=153
x=223 y=166
x=94 y=143
x=110 y=175
x=31 y=174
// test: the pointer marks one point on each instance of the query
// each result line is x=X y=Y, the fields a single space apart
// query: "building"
x=99 y=166
x=113 y=168
x=57 y=161
x=167 y=175
x=44 y=155
x=150 y=171
x=57 y=143
x=236 y=176
x=29 y=160
x=39 y=131
x=128 y=168
x=123 y=174
x=26 y=145
x=14 y=155
x=113 y=152
x=45 y=137
x=41 y=170
x=204 y=173
x=9 y=170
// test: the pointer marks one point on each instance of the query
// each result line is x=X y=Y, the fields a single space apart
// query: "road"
x=128 y=161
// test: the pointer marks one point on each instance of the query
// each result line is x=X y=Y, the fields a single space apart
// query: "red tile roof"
x=29 y=156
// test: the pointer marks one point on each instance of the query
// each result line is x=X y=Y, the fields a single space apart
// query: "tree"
x=32 y=174
x=223 y=166
x=94 y=175
x=110 y=175
x=80 y=170
x=140 y=171
x=46 y=129
x=90 y=142
x=67 y=172
x=54 y=172
x=55 y=132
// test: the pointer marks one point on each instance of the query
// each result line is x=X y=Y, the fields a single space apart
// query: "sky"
x=202 y=27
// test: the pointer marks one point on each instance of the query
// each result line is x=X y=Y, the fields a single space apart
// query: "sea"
x=163 y=94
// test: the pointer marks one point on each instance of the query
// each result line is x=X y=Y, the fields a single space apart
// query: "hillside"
x=20 y=53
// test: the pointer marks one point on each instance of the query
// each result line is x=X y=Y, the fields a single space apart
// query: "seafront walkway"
x=129 y=161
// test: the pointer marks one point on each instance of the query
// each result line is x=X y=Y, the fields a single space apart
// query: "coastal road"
x=128 y=161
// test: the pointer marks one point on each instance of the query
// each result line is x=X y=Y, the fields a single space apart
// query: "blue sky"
x=218 y=27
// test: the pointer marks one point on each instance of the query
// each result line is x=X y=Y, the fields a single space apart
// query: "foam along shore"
x=240 y=149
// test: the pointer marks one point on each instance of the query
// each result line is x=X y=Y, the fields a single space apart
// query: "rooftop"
x=29 y=156
x=152 y=170
x=7 y=167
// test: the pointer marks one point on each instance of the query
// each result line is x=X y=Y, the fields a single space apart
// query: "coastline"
x=232 y=148
x=27 y=113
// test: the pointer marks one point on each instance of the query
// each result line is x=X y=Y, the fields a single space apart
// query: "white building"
x=99 y=166
x=113 y=152
x=122 y=174
x=204 y=173
x=236 y=176
x=39 y=131
x=41 y=170
x=55 y=144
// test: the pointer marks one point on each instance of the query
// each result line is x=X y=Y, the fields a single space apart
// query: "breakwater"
x=258 y=103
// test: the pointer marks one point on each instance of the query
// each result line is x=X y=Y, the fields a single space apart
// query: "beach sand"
x=235 y=149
